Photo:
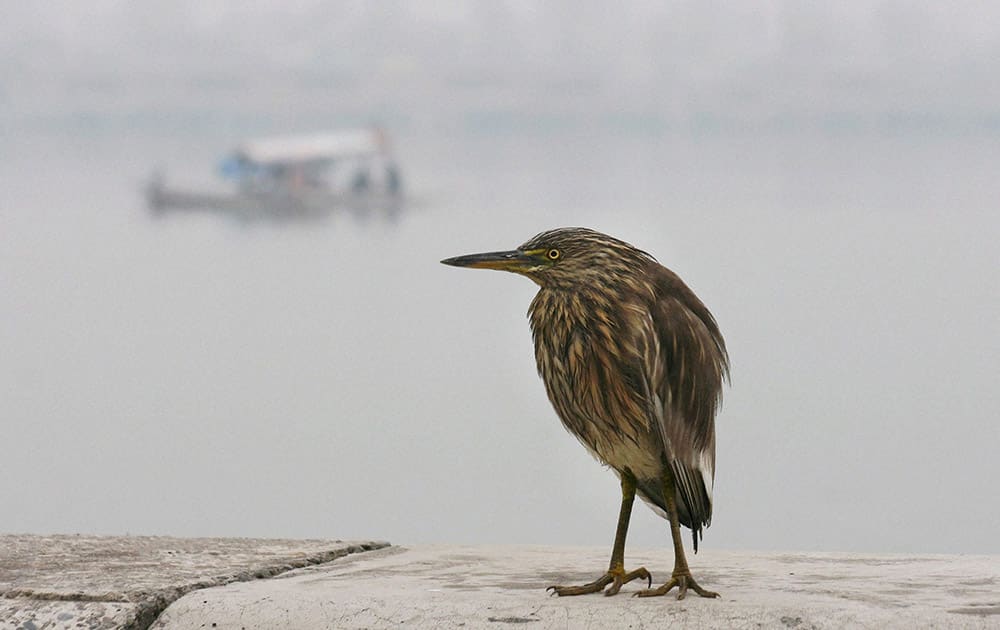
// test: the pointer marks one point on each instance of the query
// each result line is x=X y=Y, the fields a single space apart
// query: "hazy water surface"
x=193 y=375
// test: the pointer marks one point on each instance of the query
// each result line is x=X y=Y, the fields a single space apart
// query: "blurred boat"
x=297 y=177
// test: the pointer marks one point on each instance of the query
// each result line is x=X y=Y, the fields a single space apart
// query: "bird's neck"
x=557 y=312
x=557 y=307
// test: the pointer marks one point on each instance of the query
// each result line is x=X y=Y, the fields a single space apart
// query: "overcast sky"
x=750 y=60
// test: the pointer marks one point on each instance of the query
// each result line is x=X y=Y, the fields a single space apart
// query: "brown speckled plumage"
x=633 y=363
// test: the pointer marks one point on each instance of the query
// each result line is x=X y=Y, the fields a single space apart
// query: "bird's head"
x=564 y=257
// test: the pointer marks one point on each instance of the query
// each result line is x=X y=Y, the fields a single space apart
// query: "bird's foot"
x=615 y=577
x=683 y=581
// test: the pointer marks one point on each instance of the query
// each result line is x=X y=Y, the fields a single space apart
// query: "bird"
x=634 y=365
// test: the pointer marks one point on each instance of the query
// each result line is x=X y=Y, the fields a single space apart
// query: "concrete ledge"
x=99 y=582
x=248 y=584
x=497 y=587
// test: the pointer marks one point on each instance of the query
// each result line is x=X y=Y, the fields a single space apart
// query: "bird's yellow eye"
x=553 y=254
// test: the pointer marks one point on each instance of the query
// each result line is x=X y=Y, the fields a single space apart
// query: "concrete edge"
x=152 y=604
x=149 y=604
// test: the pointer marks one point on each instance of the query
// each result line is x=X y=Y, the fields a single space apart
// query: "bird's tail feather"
x=694 y=503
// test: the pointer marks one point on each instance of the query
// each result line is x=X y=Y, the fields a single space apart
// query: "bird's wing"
x=685 y=363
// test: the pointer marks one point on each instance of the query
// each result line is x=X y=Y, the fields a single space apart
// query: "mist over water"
x=196 y=375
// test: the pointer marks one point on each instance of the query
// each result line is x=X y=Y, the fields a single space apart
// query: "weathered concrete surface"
x=497 y=587
x=49 y=582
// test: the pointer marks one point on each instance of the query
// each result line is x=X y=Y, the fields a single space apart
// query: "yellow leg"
x=615 y=575
x=681 y=577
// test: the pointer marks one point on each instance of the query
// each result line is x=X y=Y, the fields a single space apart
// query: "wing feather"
x=686 y=363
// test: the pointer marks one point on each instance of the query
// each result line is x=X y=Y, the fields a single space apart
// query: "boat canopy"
x=358 y=143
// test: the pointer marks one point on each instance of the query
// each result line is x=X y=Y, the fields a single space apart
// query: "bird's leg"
x=615 y=575
x=681 y=577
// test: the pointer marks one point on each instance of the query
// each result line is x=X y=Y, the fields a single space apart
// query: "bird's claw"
x=683 y=581
x=616 y=578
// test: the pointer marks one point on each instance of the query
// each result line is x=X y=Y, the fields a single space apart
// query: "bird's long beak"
x=514 y=260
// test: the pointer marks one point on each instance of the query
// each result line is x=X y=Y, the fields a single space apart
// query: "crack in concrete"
x=150 y=604
x=149 y=610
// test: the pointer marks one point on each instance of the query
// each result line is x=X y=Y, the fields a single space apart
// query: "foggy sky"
x=928 y=63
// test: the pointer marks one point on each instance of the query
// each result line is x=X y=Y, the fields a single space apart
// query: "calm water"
x=192 y=375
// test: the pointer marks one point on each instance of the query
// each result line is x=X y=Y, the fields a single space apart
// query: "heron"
x=634 y=364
